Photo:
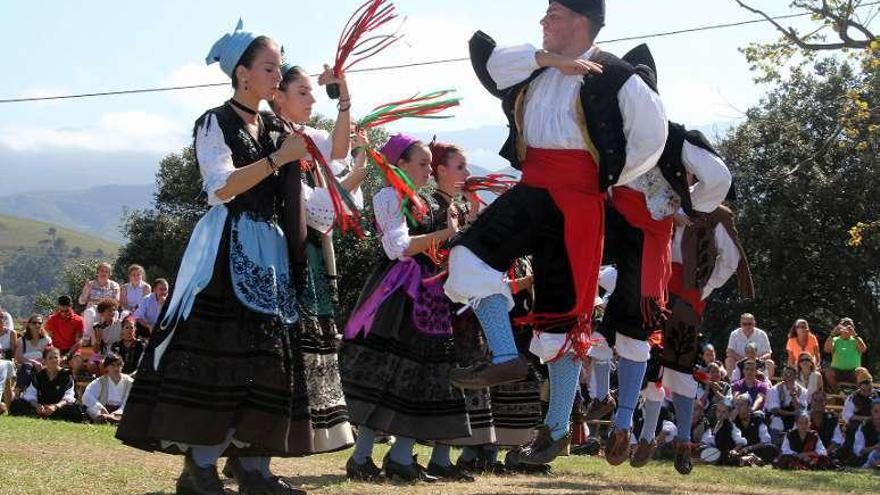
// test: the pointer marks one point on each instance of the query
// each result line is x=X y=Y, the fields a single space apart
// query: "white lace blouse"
x=215 y=164
x=392 y=223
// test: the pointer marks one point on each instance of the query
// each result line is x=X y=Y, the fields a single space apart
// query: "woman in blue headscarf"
x=225 y=375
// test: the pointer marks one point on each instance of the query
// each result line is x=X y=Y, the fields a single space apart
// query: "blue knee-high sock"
x=650 y=414
x=468 y=453
x=602 y=373
x=630 y=375
x=564 y=375
x=684 y=416
x=363 y=446
x=441 y=455
x=402 y=451
x=495 y=320
x=207 y=455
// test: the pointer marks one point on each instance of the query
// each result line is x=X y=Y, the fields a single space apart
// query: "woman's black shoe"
x=249 y=482
x=277 y=486
x=410 y=473
x=449 y=473
x=368 y=471
x=197 y=480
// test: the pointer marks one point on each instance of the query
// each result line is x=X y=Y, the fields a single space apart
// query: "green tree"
x=803 y=180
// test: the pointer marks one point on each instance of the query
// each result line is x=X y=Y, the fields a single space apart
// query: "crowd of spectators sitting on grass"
x=76 y=367
x=746 y=415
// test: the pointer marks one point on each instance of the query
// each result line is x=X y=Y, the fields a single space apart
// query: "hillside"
x=19 y=233
x=97 y=210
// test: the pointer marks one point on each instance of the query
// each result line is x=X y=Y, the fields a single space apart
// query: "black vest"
x=724 y=437
x=598 y=96
x=672 y=166
x=797 y=445
x=751 y=431
x=52 y=391
x=862 y=404
x=264 y=199
x=872 y=437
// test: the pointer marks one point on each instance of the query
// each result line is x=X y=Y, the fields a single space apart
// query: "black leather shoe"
x=683 y=462
x=367 y=471
x=278 y=486
x=513 y=465
x=249 y=482
x=195 y=480
x=410 y=473
x=449 y=473
x=485 y=375
x=543 y=449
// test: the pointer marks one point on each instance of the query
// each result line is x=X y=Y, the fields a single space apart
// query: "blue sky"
x=93 y=45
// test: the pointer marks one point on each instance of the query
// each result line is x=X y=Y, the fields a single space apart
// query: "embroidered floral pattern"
x=261 y=288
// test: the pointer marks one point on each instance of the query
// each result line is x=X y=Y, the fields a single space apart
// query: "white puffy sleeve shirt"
x=713 y=177
x=392 y=223
x=551 y=117
x=215 y=159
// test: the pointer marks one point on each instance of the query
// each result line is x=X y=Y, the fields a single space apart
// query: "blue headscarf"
x=229 y=49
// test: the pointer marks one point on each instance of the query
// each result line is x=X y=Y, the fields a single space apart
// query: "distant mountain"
x=97 y=211
x=60 y=169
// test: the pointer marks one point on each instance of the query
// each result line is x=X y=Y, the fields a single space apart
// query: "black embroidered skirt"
x=226 y=368
x=396 y=379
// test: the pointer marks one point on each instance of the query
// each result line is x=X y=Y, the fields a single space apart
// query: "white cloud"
x=118 y=131
x=194 y=74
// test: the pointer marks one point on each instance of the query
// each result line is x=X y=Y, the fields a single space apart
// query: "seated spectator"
x=808 y=376
x=726 y=438
x=106 y=396
x=709 y=357
x=750 y=384
x=81 y=374
x=857 y=407
x=713 y=390
x=7 y=320
x=8 y=339
x=147 y=313
x=801 y=339
x=50 y=394
x=752 y=355
x=825 y=423
x=740 y=338
x=95 y=291
x=802 y=449
x=107 y=330
x=754 y=430
x=867 y=441
x=65 y=327
x=846 y=349
x=30 y=351
x=785 y=402
x=129 y=347
x=133 y=292
x=7 y=378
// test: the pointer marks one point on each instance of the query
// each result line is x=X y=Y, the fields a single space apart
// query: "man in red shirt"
x=65 y=327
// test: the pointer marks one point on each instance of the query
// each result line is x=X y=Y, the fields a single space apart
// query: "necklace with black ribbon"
x=242 y=107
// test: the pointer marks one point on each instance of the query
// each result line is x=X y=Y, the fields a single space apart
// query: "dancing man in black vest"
x=581 y=121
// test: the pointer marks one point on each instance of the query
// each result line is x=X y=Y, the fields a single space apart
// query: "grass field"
x=17 y=232
x=40 y=457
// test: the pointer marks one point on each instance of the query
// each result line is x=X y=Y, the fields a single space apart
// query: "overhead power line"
x=663 y=34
